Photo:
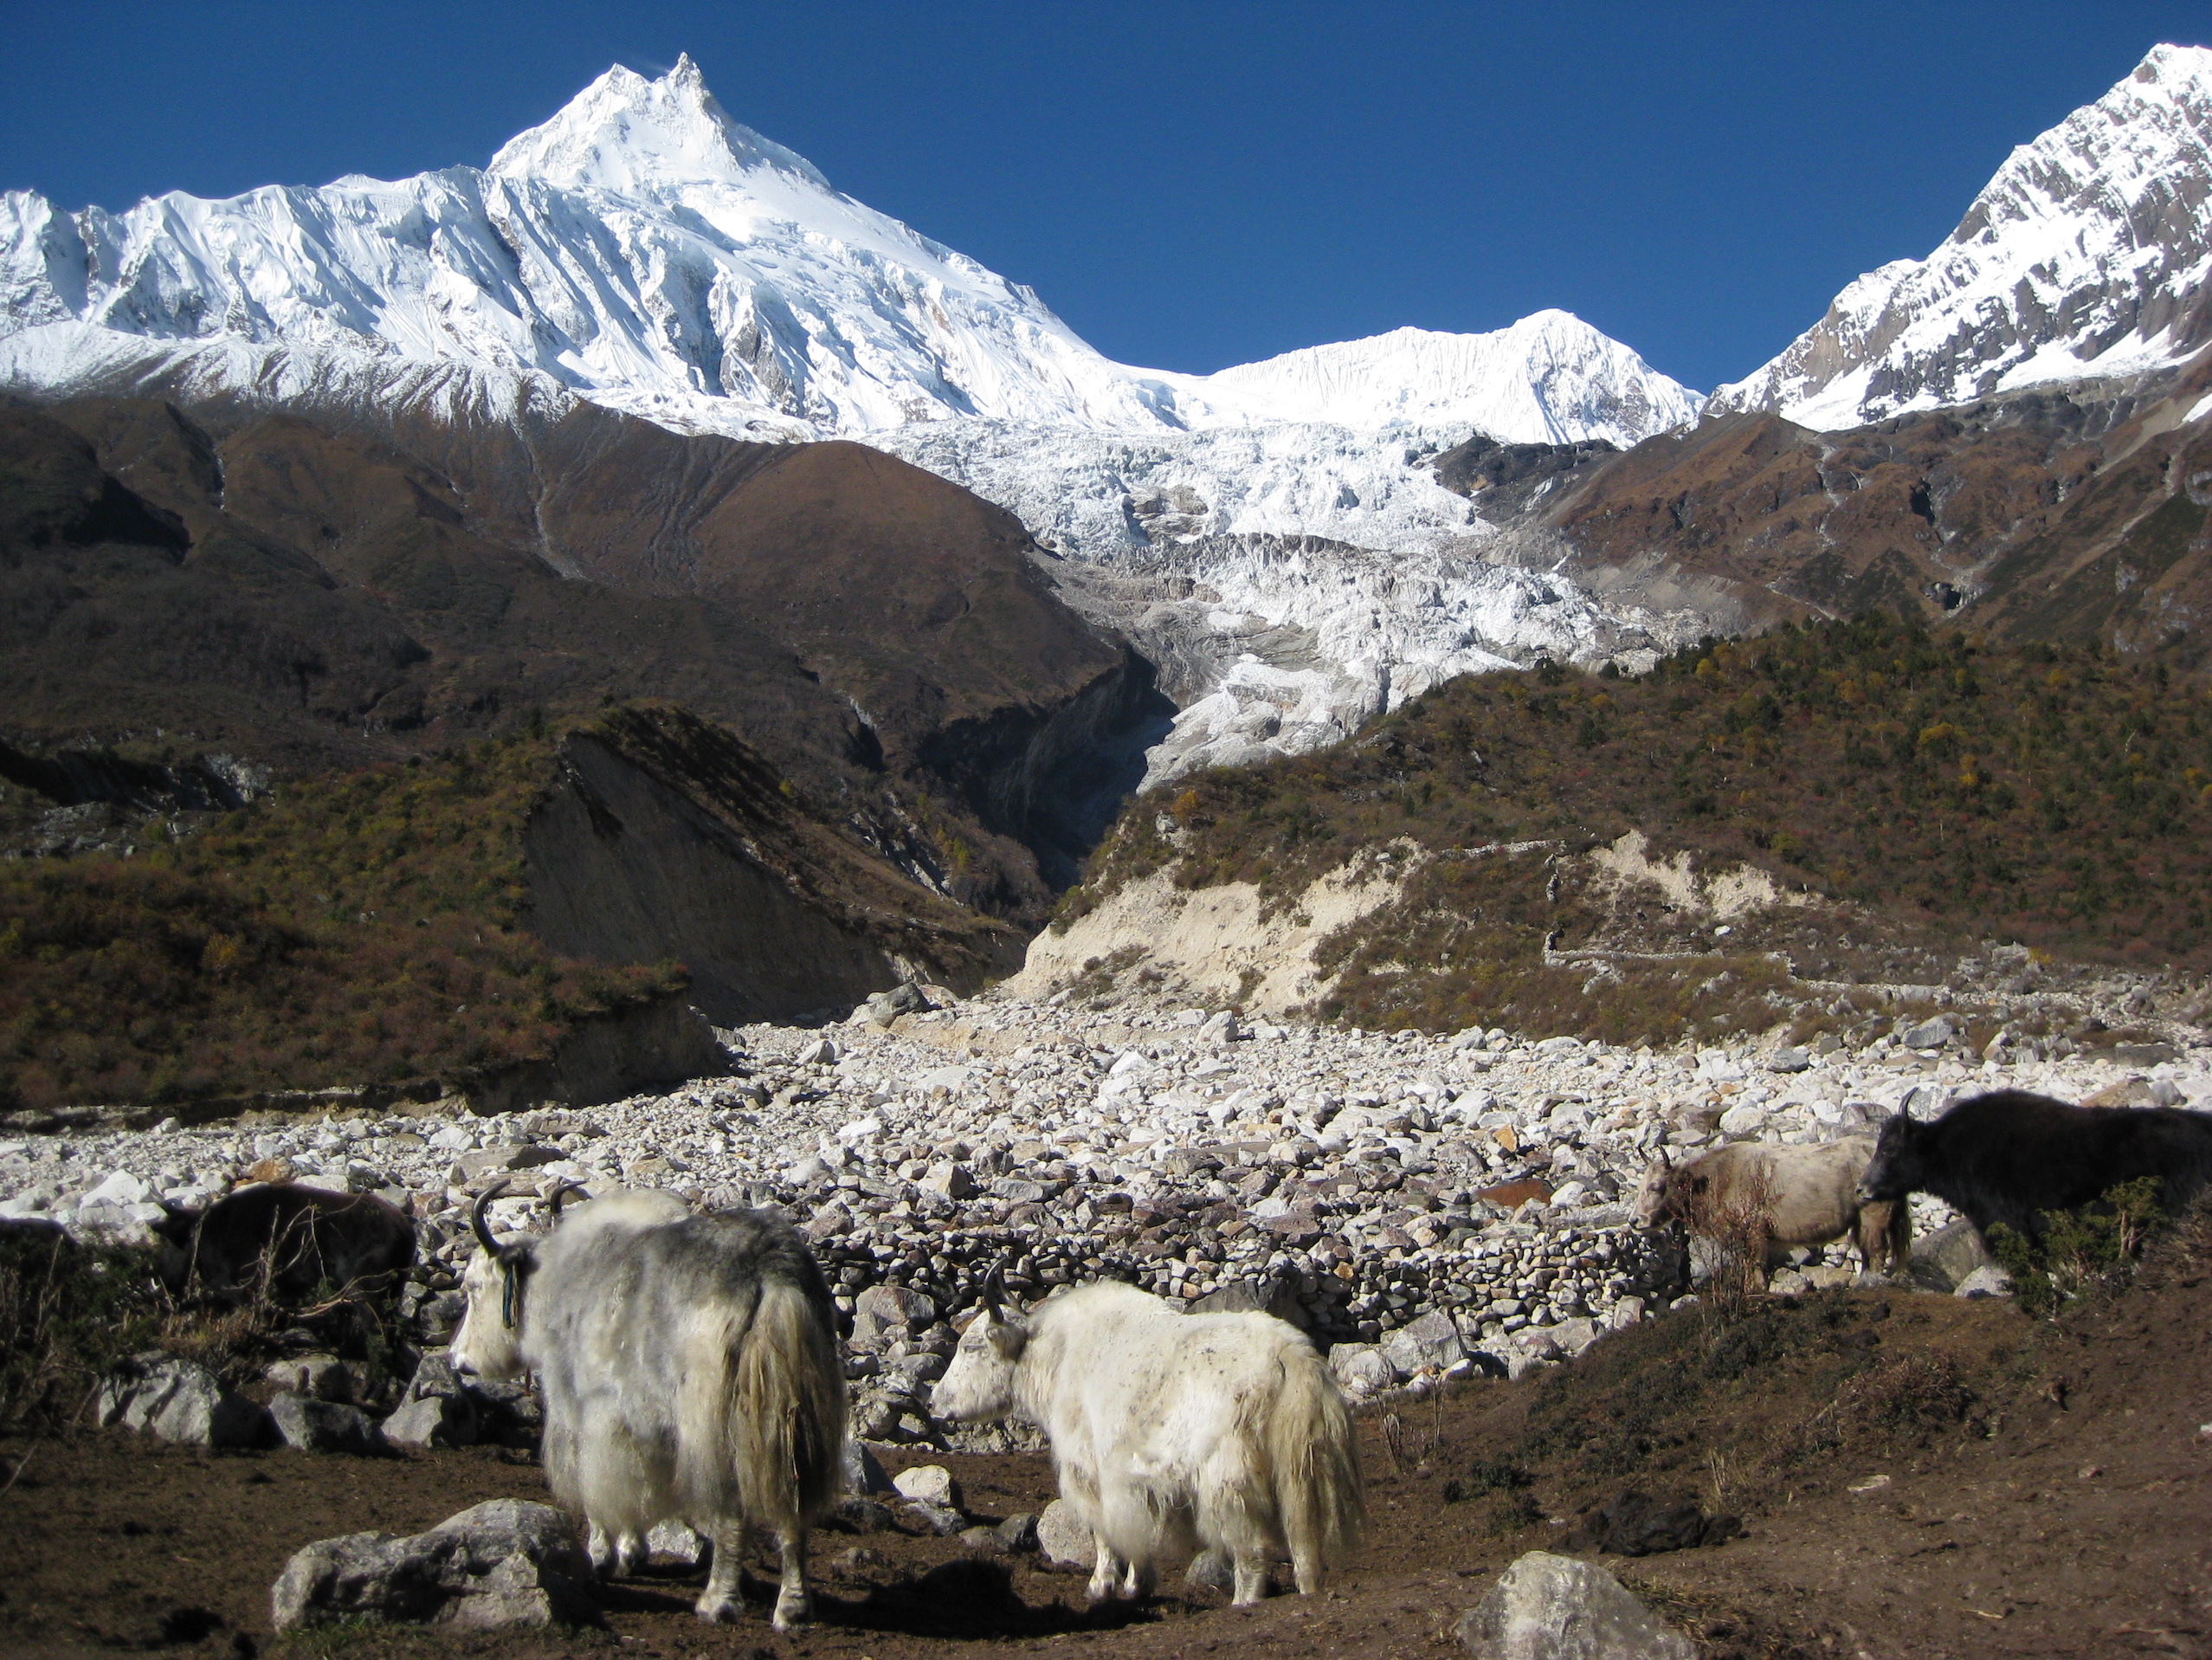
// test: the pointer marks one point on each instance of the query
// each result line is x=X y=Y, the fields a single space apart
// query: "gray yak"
x=1791 y=1195
x=690 y=1371
x=1173 y=1432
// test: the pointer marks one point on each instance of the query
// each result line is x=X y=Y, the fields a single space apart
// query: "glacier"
x=1272 y=529
x=2081 y=258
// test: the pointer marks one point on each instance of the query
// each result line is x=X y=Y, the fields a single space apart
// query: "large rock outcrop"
x=662 y=837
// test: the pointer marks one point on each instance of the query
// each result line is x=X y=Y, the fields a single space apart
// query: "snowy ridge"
x=1549 y=378
x=643 y=250
x=2084 y=256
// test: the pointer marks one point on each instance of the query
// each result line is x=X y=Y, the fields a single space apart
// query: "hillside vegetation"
x=356 y=928
x=2053 y=796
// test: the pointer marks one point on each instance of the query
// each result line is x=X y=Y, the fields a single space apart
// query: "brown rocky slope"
x=2066 y=514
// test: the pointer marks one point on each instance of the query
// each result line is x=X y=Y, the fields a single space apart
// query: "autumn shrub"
x=355 y=929
x=2057 y=796
x=69 y=1311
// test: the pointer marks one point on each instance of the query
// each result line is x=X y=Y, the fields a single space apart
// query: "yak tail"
x=772 y=1406
x=1319 y=1493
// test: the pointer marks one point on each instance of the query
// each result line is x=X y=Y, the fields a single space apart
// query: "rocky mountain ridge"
x=2085 y=258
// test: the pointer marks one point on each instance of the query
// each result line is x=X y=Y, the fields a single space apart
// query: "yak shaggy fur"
x=287 y=1241
x=1805 y=1196
x=1174 y=1432
x=2006 y=1158
x=690 y=1370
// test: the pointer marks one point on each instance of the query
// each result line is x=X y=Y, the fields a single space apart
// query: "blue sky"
x=1189 y=185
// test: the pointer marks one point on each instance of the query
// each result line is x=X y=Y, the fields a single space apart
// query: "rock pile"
x=1426 y=1206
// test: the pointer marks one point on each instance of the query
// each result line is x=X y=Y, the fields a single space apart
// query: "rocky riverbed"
x=1425 y=1207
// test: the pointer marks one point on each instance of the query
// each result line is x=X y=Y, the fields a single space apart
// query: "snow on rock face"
x=644 y=251
x=2082 y=258
x=1550 y=378
x=1309 y=577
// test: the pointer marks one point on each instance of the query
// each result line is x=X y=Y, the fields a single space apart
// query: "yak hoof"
x=717 y=1609
x=791 y=1609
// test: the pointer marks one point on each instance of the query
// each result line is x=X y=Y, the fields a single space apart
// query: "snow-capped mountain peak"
x=632 y=136
x=1550 y=377
x=2084 y=256
x=644 y=250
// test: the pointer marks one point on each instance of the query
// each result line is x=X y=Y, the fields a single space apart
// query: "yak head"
x=1653 y=1195
x=1899 y=1166
x=489 y=1342
x=979 y=1384
x=172 y=1237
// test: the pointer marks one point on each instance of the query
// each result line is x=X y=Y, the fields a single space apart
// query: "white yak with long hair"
x=1172 y=1432
x=690 y=1370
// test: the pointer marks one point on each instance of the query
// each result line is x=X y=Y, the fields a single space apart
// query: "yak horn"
x=995 y=1290
x=562 y=1189
x=483 y=1229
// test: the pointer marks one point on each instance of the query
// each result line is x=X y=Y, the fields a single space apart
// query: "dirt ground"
x=1916 y=1476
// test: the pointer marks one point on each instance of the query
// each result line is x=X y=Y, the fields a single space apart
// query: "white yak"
x=1173 y=1432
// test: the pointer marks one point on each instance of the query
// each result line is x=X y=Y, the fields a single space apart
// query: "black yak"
x=299 y=1237
x=2004 y=1159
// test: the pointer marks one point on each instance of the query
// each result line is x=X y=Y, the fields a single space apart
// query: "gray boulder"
x=435 y=1374
x=1942 y=1260
x=903 y=998
x=1362 y=1369
x=864 y=1472
x=1929 y=1033
x=928 y=1484
x=432 y=1421
x=503 y=1563
x=1576 y=1334
x=673 y=1544
x=941 y=1519
x=1987 y=1281
x=1063 y=1540
x=1431 y=1341
x=1547 y=1607
x=323 y=1376
x=1018 y=1533
x=883 y=1312
x=306 y=1425
x=180 y=1401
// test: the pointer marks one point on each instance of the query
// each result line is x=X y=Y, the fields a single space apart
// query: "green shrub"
x=2082 y=1252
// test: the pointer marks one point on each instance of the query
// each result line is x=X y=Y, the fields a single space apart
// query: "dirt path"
x=2047 y=1493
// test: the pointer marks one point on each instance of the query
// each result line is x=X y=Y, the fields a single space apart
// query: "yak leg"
x=615 y=1555
x=1137 y=1584
x=721 y=1600
x=1251 y=1579
x=793 y=1605
x=1106 y=1572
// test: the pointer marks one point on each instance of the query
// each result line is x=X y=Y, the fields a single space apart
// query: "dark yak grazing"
x=2007 y=1157
x=305 y=1237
